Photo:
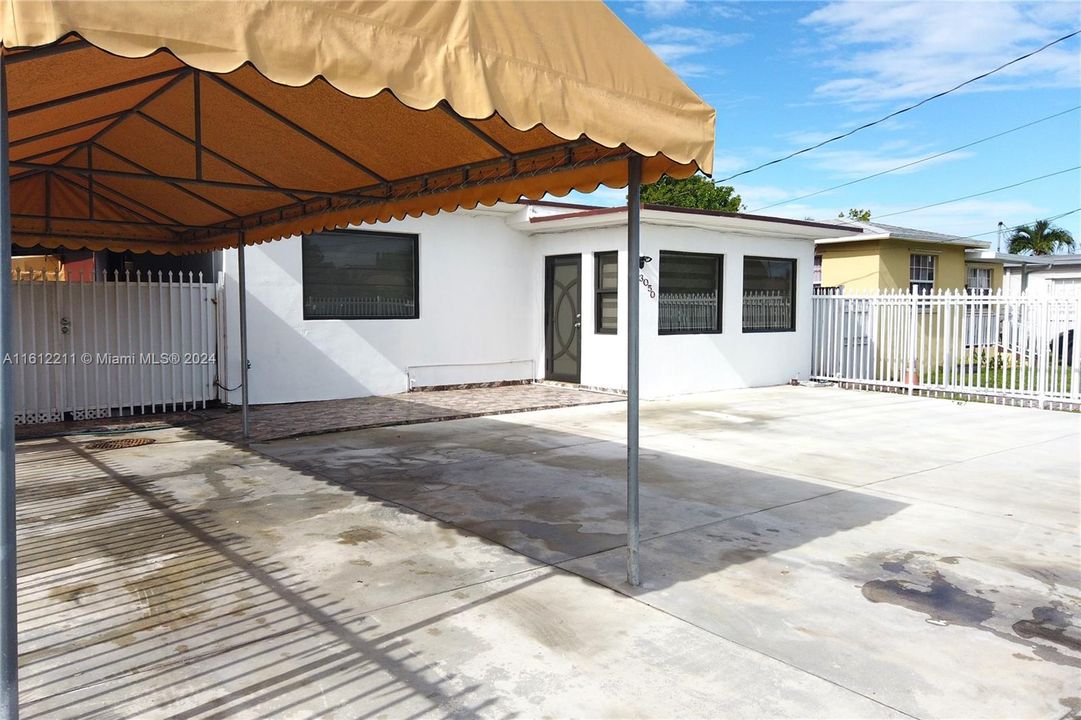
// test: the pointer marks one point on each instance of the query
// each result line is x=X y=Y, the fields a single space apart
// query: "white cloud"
x=727 y=163
x=674 y=43
x=965 y=218
x=755 y=196
x=887 y=51
x=857 y=163
x=602 y=196
x=664 y=8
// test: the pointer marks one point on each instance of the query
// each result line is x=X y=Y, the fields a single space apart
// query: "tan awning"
x=179 y=126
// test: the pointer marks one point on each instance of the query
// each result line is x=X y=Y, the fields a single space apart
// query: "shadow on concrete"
x=218 y=628
x=557 y=496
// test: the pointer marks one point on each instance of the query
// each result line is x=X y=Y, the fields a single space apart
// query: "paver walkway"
x=273 y=422
x=276 y=422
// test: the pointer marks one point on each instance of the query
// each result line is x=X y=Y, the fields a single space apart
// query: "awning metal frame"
x=301 y=202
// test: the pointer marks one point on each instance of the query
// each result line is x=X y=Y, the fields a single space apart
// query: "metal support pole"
x=634 y=254
x=243 y=306
x=198 y=112
x=9 y=632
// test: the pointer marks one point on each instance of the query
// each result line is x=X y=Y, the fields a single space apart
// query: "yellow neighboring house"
x=888 y=257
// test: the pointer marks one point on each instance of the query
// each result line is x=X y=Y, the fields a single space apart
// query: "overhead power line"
x=985 y=192
x=917 y=162
x=1018 y=227
x=903 y=110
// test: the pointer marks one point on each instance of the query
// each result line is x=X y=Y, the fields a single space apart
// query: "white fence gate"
x=1017 y=349
x=99 y=346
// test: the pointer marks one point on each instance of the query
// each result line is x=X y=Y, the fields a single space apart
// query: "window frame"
x=600 y=292
x=793 y=284
x=414 y=237
x=979 y=270
x=929 y=284
x=719 y=259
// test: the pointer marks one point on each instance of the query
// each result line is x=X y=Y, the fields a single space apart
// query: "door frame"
x=550 y=263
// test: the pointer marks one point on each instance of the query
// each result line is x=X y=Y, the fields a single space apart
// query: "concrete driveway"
x=808 y=552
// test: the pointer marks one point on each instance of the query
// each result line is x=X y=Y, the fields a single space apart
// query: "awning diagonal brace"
x=151 y=175
x=296 y=127
x=95 y=192
x=138 y=106
x=219 y=157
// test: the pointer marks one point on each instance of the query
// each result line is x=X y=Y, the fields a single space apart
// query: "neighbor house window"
x=769 y=294
x=606 y=311
x=690 y=293
x=978 y=280
x=816 y=277
x=352 y=275
x=921 y=274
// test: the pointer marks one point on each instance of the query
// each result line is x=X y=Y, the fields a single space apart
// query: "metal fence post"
x=9 y=631
x=242 y=307
x=634 y=217
x=1043 y=353
x=910 y=349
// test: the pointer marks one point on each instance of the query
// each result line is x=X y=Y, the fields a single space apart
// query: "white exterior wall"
x=482 y=315
x=476 y=322
x=1042 y=280
x=675 y=364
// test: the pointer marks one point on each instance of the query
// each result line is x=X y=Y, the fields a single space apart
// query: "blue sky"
x=783 y=75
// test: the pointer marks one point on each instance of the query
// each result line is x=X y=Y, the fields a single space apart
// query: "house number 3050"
x=648 y=285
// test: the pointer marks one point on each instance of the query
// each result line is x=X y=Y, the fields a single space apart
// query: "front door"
x=563 y=318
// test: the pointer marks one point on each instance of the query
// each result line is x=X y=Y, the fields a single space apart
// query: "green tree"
x=1039 y=238
x=857 y=214
x=697 y=192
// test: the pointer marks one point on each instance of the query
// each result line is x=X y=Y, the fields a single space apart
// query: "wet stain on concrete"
x=103 y=500
x=566 y=538
x=1053 y=624
x=162 y=593
x=896 y=565
x=555 y=507
x=539 y=622
x=924 y=588
x=736 y=556
x=73 y=592
x=1073 y=707
x=275 y=510
x=357 y=535
x=940 y=600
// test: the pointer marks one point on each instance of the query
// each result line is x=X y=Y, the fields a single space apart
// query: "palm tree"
x=1039 y=238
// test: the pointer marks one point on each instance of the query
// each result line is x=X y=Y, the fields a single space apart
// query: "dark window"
x=606 y=314
x=769 y=294
x=690 y=293
x=352 y=275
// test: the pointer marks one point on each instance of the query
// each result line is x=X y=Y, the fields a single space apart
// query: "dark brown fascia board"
x=692 y=211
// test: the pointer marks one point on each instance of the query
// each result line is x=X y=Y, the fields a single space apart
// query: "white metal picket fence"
x=767 y=310
x=1017 y=349
x=98 y=346
x=687 y=311
x=366 y=307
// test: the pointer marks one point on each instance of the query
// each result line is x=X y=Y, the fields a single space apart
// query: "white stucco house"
x=1044 y=275
x=521 y=292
